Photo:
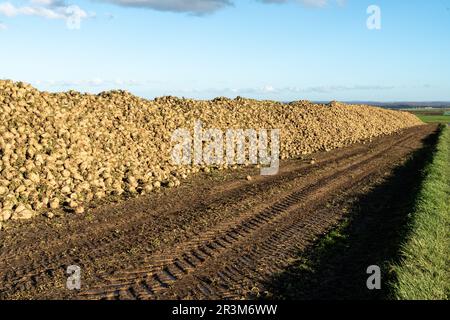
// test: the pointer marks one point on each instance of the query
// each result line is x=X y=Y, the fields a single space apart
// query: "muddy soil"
x=218 y=236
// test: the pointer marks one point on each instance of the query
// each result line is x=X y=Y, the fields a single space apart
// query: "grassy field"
x=423 y=271
x=434 y=118
x=431 y=115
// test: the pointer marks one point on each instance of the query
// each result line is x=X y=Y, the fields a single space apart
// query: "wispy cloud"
x=48 y=9
x=270 y=90
x=329 y=89
x=3 y=26
x=267 y=89
x=318 y=89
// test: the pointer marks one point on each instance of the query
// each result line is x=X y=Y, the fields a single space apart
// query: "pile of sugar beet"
x=62 y=151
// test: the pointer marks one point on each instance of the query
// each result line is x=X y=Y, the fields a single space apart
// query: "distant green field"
x=434 y=119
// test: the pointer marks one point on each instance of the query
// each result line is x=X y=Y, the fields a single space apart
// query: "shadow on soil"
x=335 y=266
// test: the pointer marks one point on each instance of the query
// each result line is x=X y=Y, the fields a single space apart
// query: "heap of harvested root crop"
x=67 y=149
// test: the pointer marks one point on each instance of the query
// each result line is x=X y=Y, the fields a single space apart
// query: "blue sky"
x=265 y=49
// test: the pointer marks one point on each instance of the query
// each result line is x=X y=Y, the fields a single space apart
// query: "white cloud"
x=326 y=89
x=3 y=26
x=270 y=90
x=48 y=9
x=10 y=10
x=7 y=9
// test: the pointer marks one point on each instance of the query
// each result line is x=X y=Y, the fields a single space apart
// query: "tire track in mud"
x=167 y=273
x=237 y=275
x=102 y=245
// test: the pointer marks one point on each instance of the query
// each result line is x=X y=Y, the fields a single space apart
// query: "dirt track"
x=217 y=236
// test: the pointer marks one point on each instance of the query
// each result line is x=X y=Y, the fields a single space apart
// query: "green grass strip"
x=423 y=273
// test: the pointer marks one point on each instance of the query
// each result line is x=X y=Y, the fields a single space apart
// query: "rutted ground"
x=216 y=236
